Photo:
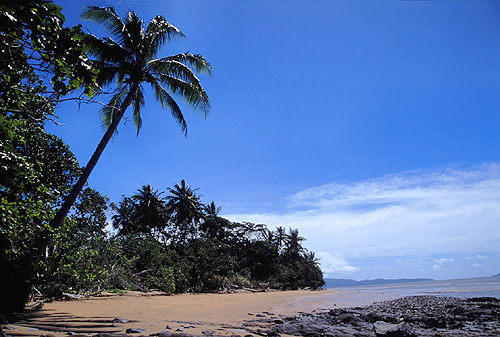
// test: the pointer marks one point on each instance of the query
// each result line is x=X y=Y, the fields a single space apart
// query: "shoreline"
x=222 y=313
x=249 y=314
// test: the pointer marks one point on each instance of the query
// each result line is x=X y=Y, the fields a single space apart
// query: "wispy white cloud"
x=476 y=257
x=438 y=263
x=445 y=211
x=335 y=263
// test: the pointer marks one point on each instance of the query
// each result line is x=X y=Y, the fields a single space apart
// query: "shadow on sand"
x=48 y=320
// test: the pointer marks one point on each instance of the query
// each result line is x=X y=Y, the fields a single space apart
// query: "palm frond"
x=158 y=32
x=138 y=104
x=193 y=95
x=106 y=50
x=105 y=16
x=166 y=101
x=109 y=111
x=196 y=61
x=182 y=81
x=134 y=33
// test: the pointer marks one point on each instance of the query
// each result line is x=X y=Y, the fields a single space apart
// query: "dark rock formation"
x=404 y=317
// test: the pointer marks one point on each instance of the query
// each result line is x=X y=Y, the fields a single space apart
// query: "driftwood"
x=254 y=290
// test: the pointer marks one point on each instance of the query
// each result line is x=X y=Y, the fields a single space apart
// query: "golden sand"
x=223 y=314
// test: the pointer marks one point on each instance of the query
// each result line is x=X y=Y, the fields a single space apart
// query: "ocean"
x=348 y=297
x=461 y=288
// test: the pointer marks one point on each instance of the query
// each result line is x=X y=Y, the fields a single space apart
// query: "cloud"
x=446 y=211
x=476 y=257
x=335 y=263
x=438 y=264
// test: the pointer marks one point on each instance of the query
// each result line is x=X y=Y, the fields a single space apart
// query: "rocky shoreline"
x=404 y=317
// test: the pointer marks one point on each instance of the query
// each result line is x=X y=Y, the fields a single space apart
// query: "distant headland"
x=338 y=283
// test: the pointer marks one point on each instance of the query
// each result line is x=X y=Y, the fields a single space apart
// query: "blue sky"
x=372 y=126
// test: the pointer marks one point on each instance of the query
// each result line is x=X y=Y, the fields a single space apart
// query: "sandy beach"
x=342 y=311
x=224 y=314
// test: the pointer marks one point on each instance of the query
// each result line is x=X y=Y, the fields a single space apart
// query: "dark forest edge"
x=174 y=244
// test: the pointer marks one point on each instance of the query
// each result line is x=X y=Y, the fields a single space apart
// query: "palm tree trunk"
x=58 y=219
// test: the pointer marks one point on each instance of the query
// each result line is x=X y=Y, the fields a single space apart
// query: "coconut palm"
x=128 y=61
x=213 y=225
x=149 y=208
x=293 y=242
x=185 y=209
x=280 y=237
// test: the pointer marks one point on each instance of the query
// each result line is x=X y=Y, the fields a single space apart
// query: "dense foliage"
x=176 y=244
x=39 y=61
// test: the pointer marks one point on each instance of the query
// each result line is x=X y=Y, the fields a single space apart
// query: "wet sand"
x=224 y=314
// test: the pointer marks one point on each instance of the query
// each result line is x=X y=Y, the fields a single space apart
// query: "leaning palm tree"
x=128 y=60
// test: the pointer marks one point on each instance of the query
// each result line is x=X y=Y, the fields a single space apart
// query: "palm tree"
x=280 y=237
x=293 y=243
x=213 y=225
x=184 y=208
x=149 y=208
x=123 y=219
x=311 y=256
x=128 y=60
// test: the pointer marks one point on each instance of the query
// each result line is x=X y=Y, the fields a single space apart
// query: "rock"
x=273 y=334
x=168 y=327
x=260 y=315
x=33 y=329
x=180 y=330
x=384 y=329
x=278 y=321
x=134 y=330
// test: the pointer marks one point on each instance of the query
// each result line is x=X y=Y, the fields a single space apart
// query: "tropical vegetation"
x=166 y=240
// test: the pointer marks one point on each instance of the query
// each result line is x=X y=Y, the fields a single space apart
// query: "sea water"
x=349 y=297
x=461 y=288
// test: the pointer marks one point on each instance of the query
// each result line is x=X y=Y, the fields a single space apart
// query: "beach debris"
x=260 y=315
x=134 y=330
x=72 y=297
x=120 y=320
